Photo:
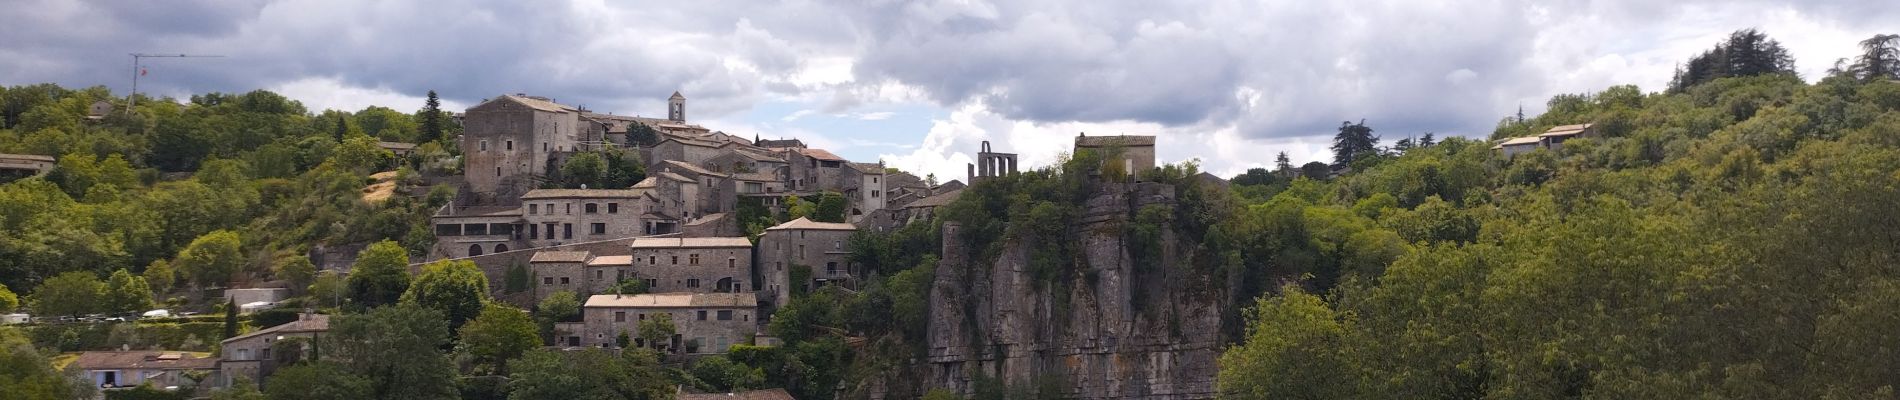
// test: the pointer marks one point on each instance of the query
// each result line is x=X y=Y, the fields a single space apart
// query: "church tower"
x=676 y=108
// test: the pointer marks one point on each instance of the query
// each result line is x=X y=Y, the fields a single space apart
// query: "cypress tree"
x=230 y=319
x=431 y=118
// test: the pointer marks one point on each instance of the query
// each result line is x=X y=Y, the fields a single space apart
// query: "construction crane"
x=138 y=69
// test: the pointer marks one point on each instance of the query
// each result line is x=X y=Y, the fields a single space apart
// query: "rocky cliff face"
x=1122 y=330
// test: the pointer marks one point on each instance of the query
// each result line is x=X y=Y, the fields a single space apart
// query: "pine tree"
x=1746 y=52
x=1879 y=58
x=431 y=119
x=1426 y=140
x=342 y=128
x=1352 y=142
x=230 y=318
x=1284 y=165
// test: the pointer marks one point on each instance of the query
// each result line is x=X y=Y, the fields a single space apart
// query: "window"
x=725 y=315
x=547 y=280
x=534 y=231
x=598 y=274
x=692 y=259
x=511 y=145
x=676 y=260
x=613 y=208
x=534 y=209
x=497 y=171
x=653 y=283
x=702 y=315
x=564 y=280
x=591 y=208
x=600 y=228
x=484 y=146
x=692 y=283
x=781 y=265
x=263 y=354
x=544 y=146
x=244 y=354
x=874 y=194
x=836 y=244
x=567 y=231
x=568 y=208
x=620 y=275
x=651 y=260
x=474 y=250
x=801 y=252
x=732 y=262
x=620 y=316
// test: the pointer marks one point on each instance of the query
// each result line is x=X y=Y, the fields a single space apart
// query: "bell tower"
x=676 y=108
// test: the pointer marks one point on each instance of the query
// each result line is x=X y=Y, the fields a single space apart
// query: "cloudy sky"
x=919 y=84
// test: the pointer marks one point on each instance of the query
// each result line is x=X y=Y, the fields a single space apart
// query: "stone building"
x=110 y=370
x=604 y=272
x=1133 y=154
x=990 y=164
x=557 y=216
x=249 y=355
x=863 y=187
x=818 y=246
x=556 y=271
x=814 y=170
x=701 y=265
x=714 y=193
x=706 y=323
x=511 y=143
x=473 y=231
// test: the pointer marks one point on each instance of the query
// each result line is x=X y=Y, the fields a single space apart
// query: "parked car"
x=159 y=313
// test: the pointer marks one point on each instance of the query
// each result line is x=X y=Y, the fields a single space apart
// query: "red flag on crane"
x=141 y=71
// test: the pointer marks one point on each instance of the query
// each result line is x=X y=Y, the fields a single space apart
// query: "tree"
x=318 y=381
x=657 y=330
x=583 y=169
x=230 y=318
x=500 y=334
x=370 y=342
x=1315 y=170
x=517 y=279
x=160 y=276
x=1879 y=58
x=27 y=374
x=8 y=300
x=727 y=376
x=72 y=294
x=241 y=389
x=1746 y=52
x=1283 y=165
x=1426 y=140
x=640 y=134
x=456 y=288
x=1254 y=176
x=831 y=207
x=1353 y=141
x=380 y=275
x=557 y=307
x=624 y=169
x=1295 y=347
x=630 y=287
x=431 y=119
x=589 y=374
x=796 y=207
x=127 y=293
x=211 y=259
x=298 y=270
x=329 y=289
x=361 y=154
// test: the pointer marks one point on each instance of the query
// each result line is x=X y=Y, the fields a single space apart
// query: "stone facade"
x=473 y=231
x=249 y=355
x=557 y=271
x=699 y=265
x=558 y=216
x=864 y=188
x=1129 y=153
x=802 y=242
x=706 y=323
x=110 y=370
x=510 y=142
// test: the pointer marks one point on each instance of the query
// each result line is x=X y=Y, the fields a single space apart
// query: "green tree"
x=241 y=389
x=231 y=323
x=1879 y=58
x=456 y=288
x=29 y=375
x=583 y=169
x=387 y=124
x=160 y=277
x=831 y=207
x=361 y=154
x=557 y=307
x=8 y=300
x=431 y=116
x=642 y=135
x=796 y=207
x=589 y=374
x=318 y=381
x=329 y=289
x=1296 y=347
x=127 y=293
x=1283 y=165
x=1354 y=141
x=1746 y=52
x=368 y=341
x=724 y=375
x=630 y=287
x=210 y=260
x=298 y=270
x=499 y=335
x=380 y=275
x=71 y=294
x=518 y=279
x=657 y=330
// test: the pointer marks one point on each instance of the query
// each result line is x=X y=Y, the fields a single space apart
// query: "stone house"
x=400 y=149
x=604 y=272
x=864 y=189
x=558 y=216
x=814 y=170
x=714 y=192
x=555 y=271
x=700 y=265
x=1134 y=154
x=819 y=246
x=705 y=323
x=249 y=355
x=687 y=149
x=1514 y=146
x=126 y=369
x=1555 y=137
x=473 y=231
x=510 y=143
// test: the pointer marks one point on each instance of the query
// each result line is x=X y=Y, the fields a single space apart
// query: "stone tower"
x=676 y=108
x=991 y=164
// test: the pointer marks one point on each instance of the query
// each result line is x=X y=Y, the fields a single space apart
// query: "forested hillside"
x=153 y=194
x=1733 y=239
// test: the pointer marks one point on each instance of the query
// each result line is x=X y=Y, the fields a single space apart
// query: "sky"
x=920 y=84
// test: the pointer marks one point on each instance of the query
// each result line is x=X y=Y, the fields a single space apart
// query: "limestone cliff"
x=1122 y=331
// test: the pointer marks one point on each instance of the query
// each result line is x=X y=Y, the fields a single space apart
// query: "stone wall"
x=988 y=317
x=495 y=266
x=673 y=269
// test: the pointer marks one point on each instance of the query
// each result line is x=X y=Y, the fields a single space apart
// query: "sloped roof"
x=581 y=193
x=676 y=96
x=537 y=104
x=936 y=201
x=703 y=242
x=674 y=300
x=902 y=179
x=147 y=359
x=868 y=168
x=1566 y=130
x=610 y=260
x=1519 y=141
x=806 y=223
x=689 y=167
x=560 y=256
x=648 y=183
x=674 y=176
x=304 y=323
x=1118 y=140
x=33 y=157
x=820 y=154
x=396 y=145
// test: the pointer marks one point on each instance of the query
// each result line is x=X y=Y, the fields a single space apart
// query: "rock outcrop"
x=1122 y=331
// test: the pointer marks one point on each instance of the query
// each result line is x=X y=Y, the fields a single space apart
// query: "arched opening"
x=501 y=247
x=725 y=286
x=474 y=250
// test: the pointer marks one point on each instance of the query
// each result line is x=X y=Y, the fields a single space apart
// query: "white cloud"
x=318 y=94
